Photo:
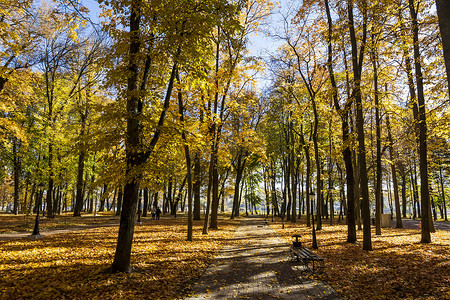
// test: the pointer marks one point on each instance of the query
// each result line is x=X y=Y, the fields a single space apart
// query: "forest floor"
x=72 y=265
x=11 y=224
x=399 y=267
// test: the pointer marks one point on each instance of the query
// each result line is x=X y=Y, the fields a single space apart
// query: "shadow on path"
x=257 y=267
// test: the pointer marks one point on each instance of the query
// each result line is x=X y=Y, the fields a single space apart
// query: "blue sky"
x=261 y=44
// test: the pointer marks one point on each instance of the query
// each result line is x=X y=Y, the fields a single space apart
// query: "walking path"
x=414 y=224
x=258 y=267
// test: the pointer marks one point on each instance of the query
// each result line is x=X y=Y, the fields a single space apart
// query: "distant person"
x=158 y=213
x=153 y=212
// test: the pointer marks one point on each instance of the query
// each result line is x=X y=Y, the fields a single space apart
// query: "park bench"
x=264 y=223
x=312 y=262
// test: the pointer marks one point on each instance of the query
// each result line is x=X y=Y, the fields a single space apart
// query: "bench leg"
x=294 y=257
x=313 y=266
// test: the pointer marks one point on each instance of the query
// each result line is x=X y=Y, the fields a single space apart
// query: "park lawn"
x=72 y=265
x=398 y=267
x=10 y=223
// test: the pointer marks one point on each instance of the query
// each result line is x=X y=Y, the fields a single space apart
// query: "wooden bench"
x=312 y=262
x=265 y=222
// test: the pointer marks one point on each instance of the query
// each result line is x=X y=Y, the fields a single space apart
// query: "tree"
x=398 y=214
x=421 y=120
x=135 y=158
x=346 y=152
x=187 y=156
x=443 y=11
x=357 y=61
x=182 y=42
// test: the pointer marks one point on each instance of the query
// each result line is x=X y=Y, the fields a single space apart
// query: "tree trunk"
x=398 y=213
x=443 y=11
x=404 y=202
x=240 y=164
x=215 y=135
x=49 y=199
x=308 y=179
x=330 y=188
x=222 y=190
x=293 y=172
x=346 y=152
x=273 y=175
x=208 y=200
x=215 y=186
x=318 y=168
x=196 y=186
x=146 y=200
x=378 y=182
x=423 y=164
x=357 y=70
x=122 y=255
x=16 y=163
x=119 y=201
x=443 y=192
x=287 y=188
x=188 y=164
x=79 y=187
x=103 y=197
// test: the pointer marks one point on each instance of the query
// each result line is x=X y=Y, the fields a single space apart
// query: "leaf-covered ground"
x=399 y=267
x=72 y=265
x=10 y=223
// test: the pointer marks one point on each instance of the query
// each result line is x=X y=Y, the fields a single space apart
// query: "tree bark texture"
x=196 y=186
x=378 y=183
x=423 y=164
x=346 y=152
x=122 y=255
x=17 y=171
x=398 y=213
x=357 y=70
x=443 y=11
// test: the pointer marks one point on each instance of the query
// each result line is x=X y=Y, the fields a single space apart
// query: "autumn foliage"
x=74 y=265
x=399 y=267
